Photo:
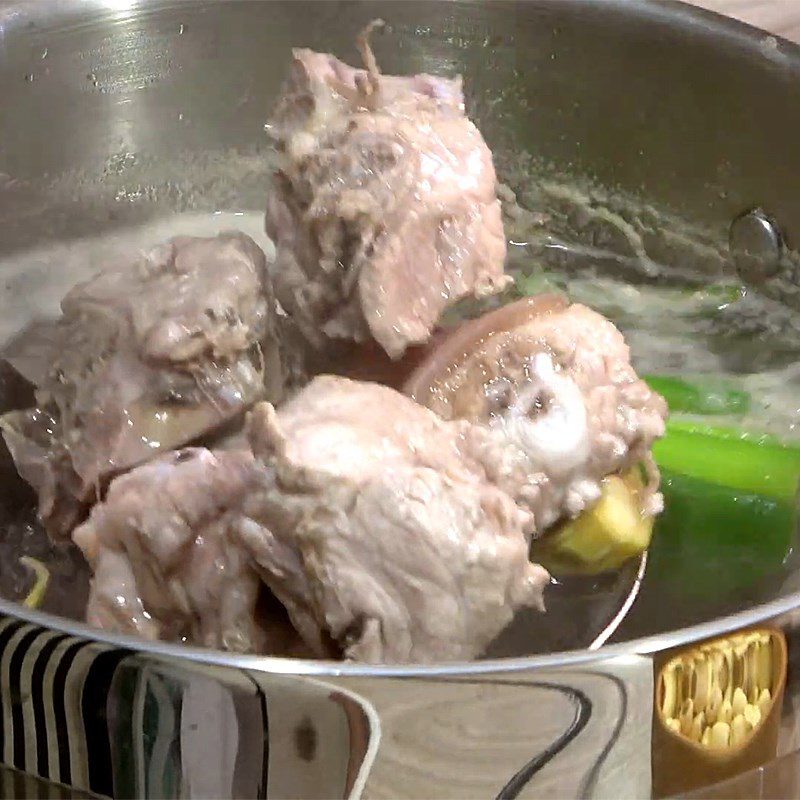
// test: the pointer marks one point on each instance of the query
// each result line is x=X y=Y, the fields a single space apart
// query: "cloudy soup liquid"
x=702 y=334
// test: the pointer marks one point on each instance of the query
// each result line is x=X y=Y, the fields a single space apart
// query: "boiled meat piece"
x=144 y=358
x=378 y=532
x=162 y=554
x=383 y=207
x=166 y=564
x=558 y=403
x=361 y=513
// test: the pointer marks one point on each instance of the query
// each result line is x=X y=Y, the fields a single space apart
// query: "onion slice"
x=35 y=597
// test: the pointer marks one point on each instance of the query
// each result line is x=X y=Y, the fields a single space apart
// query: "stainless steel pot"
x=116 y=112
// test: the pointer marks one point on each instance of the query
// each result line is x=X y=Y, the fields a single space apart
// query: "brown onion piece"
x=427 y=378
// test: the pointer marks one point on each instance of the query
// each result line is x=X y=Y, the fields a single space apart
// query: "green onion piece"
x=730 y=433
x=719 y=294
x=750 y=463
x=42 y=574
x=534 y=283
x=712 y=541
x=696 y=398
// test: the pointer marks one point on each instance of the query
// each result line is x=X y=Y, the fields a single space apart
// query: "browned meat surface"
x=383 y=208
x=561 y=405
x=164 y=560
x=144 y=358
x=378 y=532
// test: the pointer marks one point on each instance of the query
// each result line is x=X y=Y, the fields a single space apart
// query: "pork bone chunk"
x=165 y=564
x=558 y=405
x=378 y=533
x=383 y=208
x=144 y=358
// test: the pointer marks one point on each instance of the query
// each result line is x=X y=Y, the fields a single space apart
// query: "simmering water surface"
x=720 y=333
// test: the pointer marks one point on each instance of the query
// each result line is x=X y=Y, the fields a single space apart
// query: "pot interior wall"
x=663 y=123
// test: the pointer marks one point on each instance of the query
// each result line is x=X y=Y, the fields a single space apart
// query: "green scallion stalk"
x=694 y=397
x=744 y=462
x=712 y=541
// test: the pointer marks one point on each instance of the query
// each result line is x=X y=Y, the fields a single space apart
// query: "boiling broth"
x=723 y=333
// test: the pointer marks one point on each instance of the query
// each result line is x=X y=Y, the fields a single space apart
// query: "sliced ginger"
x=605 y=536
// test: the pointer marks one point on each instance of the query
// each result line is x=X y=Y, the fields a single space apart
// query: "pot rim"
x=628 y=650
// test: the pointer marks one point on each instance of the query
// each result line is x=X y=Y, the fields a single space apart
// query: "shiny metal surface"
x=117 y=112
x=756 y=245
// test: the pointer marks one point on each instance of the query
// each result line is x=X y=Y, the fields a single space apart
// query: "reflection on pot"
x=717 y=709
